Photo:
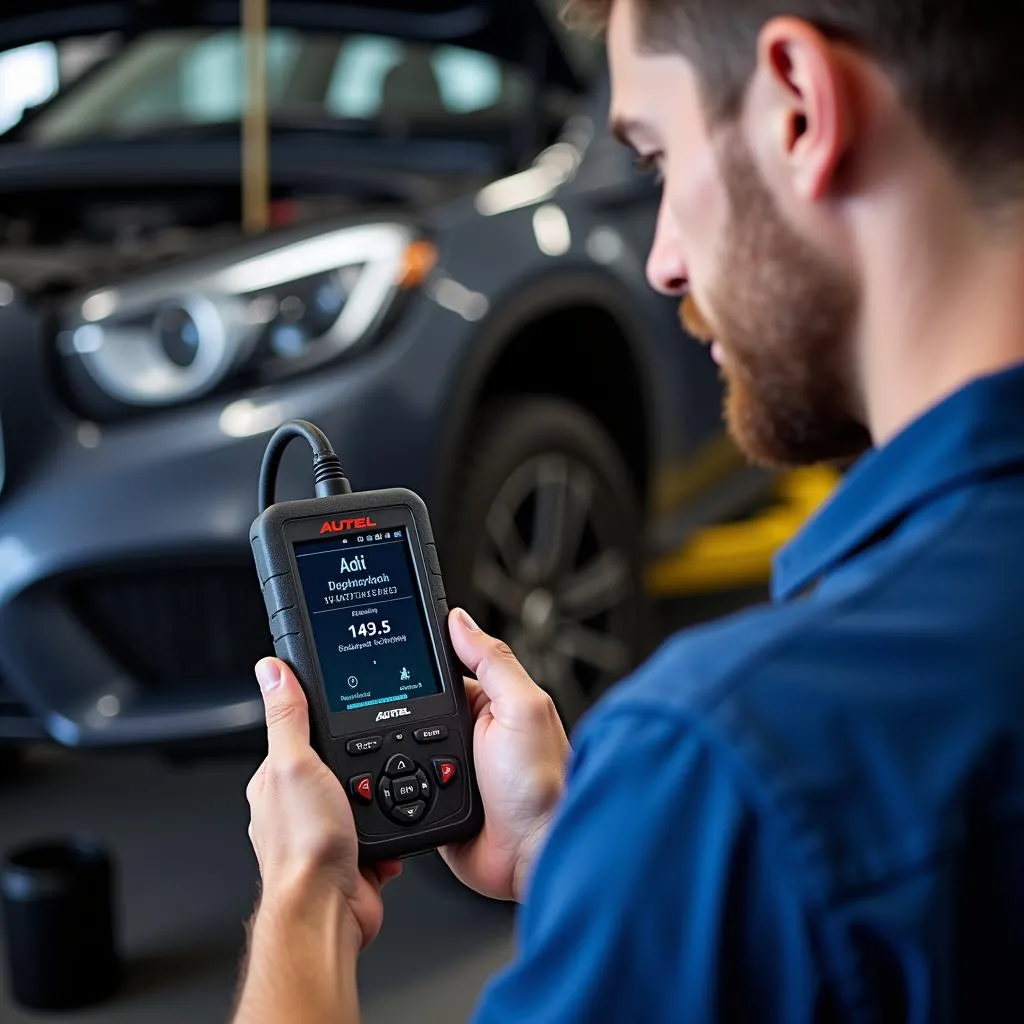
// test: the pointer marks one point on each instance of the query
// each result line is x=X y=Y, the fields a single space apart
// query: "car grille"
x=178 y=630
x=10 y=706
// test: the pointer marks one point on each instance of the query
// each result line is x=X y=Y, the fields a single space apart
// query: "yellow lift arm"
x=736 y=555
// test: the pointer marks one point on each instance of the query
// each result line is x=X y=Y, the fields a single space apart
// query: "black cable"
x=328 y=475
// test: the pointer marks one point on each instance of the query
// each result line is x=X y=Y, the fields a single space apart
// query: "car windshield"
x=178 y=79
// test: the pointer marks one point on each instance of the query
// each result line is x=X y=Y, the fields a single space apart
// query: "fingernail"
x=268 y=674
x=467 y=620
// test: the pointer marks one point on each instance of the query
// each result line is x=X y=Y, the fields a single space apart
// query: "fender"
x=537 y=299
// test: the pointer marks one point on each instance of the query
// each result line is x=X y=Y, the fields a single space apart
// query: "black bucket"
x=58 y=902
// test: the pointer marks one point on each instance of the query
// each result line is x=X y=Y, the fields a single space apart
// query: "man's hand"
x=302 y=827
x=521 y=752
x=318 y=908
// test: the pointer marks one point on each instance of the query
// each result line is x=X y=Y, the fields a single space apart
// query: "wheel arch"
x=512 y=355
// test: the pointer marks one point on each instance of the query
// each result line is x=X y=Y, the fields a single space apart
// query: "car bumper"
x=129 y=608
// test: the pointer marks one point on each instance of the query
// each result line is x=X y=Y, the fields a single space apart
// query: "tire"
x=545 y=547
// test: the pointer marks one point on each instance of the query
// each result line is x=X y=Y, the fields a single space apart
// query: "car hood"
x=316 y=162
x=499 y=27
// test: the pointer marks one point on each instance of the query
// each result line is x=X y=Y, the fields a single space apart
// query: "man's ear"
x=800 y=106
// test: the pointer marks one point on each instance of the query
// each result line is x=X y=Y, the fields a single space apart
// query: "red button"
x=445 y=770
x=362 y=787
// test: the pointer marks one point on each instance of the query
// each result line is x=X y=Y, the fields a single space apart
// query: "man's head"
x=774 y=124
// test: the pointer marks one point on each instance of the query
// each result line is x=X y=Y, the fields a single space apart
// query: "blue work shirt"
x=814 y=811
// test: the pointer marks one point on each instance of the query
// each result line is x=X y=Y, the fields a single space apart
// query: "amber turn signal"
x=418 y=261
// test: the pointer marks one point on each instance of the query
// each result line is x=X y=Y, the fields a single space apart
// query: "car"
x=450 y=283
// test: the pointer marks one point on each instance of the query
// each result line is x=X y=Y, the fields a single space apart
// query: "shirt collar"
x=974 y=433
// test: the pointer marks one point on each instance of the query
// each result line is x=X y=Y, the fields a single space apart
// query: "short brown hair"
x=957 y=64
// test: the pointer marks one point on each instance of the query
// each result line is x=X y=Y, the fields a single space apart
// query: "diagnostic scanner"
x=357 y=608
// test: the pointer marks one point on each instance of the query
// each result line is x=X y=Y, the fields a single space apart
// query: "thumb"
x=498 y=671
x=286 y=708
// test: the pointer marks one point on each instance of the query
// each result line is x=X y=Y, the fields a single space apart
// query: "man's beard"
x=784 y=318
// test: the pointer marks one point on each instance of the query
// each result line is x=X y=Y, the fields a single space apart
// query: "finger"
x=389 y=870
x=475 y=697
x=492 y=662
x=286 y=708
x=382 y=872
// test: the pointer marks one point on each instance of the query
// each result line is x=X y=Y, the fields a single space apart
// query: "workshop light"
x=554 y=167
x=517 y=190
x=246 y=418
x=552 y=231
x=457 y=298
x=605 y=245
x=99 y=306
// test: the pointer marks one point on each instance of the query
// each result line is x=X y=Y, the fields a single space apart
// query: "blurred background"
x=406 y=221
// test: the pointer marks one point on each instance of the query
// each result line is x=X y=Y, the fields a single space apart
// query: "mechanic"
x=813 y=810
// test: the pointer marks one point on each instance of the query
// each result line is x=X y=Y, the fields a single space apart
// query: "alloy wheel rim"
x=554 y=580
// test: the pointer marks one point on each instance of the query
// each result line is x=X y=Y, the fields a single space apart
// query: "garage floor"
x=188 y=880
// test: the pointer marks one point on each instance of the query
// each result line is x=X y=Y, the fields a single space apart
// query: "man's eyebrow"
x=624 y=129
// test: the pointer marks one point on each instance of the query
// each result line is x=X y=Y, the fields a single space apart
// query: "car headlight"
x=177 y=335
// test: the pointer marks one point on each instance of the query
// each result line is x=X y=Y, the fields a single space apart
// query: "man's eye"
x=649 y=164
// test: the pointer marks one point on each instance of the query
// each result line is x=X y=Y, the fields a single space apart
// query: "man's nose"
x=666 y=265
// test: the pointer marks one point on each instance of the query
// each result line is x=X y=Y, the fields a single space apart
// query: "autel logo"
x=341 y=525
x=393 y=713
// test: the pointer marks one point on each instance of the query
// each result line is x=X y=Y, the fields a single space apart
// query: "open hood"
x=515 y=30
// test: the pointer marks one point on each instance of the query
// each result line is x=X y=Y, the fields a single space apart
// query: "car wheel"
x=546 y=547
